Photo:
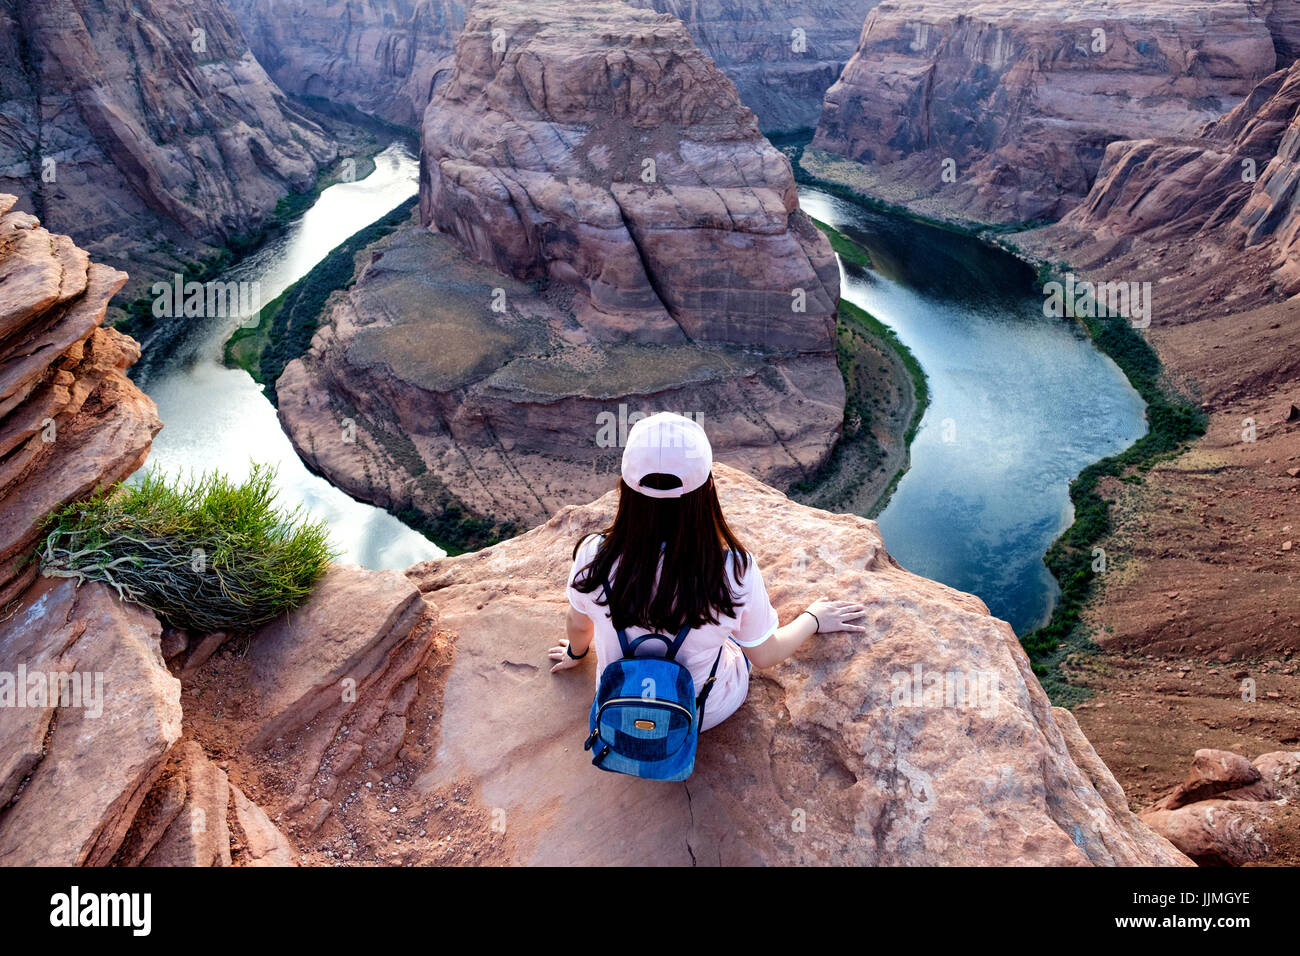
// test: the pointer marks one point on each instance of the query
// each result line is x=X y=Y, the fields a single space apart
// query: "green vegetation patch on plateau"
x=209 y=554
x=619 y=370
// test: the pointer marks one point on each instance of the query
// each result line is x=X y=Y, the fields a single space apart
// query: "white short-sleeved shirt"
x=756 y=623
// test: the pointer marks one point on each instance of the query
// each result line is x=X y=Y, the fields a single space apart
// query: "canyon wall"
x=146 y=130
x=1001 y=112
x=609 y=234
x=383 y=57
x=1213 y=218
x=782 y=54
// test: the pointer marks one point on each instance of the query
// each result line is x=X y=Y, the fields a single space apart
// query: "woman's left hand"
x=560 y=654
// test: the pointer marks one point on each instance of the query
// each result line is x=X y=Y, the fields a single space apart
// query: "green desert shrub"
x=206 y=554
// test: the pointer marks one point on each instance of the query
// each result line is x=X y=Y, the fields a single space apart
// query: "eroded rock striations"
x=1000 y=112
x=782 y=55
x=145 y=129
x=93 y=765
x=386 y=57
x=611 y=235
x=842 y=736
x=1215 y=212
x=383 y=57
x=1223 y=813
x=71 y=423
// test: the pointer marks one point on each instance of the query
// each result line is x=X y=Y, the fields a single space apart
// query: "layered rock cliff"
x=1000 y=112
x=383 y=57
x=146 y=130
x=602 y=148
x=611 y=236
x=782 y=55
x=71 y=423
x=1217 y=209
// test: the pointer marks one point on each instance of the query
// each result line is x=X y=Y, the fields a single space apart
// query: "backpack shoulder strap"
x=708 y=686
x=623 y=642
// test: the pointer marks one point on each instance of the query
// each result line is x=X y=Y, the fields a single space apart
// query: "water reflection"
x=1020 y=404
x=217 y=418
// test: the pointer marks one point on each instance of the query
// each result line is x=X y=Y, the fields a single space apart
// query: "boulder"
x=1281 y=771
x=1218 y=773
x=257 y=840
x=199 y=833
x=845 y=754
x=1216 y=832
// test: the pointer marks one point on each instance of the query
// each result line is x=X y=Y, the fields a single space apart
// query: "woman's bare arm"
x=580 y=629
x=822 y=616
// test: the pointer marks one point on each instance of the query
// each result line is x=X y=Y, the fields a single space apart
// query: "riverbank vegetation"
x=286 y=325
x=361 y=142
x=1173 y=422
x=1074 y=558
x=208 y=554
x=859 y=460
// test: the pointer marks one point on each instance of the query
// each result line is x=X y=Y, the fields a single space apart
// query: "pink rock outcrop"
x=836 y=757
x=71 y=422
x=602 y=148
x=1001 y=111
x=77 y=762
x=600 y=250
x=1224 y=813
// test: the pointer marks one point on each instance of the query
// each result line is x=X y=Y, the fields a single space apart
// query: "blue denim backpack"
x=645 y=720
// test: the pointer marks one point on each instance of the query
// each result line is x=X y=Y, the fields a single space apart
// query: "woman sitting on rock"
x=671 y=560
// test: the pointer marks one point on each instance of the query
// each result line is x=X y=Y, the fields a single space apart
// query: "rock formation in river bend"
x=562 y=290
x=604 y=149
x=1024 y=96
x=144 y=129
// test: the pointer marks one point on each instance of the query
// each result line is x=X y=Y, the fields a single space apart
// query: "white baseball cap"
x=667 y=444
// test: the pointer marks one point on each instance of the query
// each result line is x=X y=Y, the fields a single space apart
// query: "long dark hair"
x=693 y=585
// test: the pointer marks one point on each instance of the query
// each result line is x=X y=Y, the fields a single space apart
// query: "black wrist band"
x=815 y=621
x=568 y=649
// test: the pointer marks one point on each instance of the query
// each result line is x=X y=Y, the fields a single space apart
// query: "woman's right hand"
x=837 y=615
